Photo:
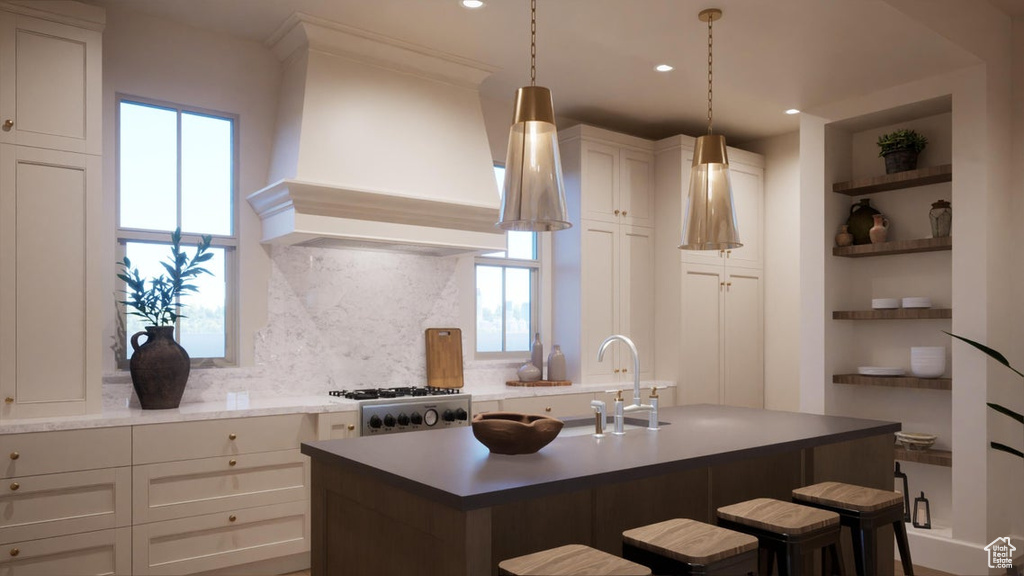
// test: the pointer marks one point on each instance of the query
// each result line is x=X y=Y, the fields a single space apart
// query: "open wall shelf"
x=896 y=247
x=908 y=179
x=894 y=314
x=894 y=381
x=933 y=457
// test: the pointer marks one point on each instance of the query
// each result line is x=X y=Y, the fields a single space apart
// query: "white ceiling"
x=597 y=56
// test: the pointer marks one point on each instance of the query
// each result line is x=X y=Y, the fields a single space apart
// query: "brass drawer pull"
x=232 y=462
x=232 y=436
x=9 y=400
x=15 y=455
x=232 y=518
x=15 y=551
x=8 y=124
x=351 y=427
x=15 y=485
x=547 y=408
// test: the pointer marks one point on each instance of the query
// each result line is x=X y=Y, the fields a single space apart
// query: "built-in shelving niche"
x=894 y=381
x=932 y=457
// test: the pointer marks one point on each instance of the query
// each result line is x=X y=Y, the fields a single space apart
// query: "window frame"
x=229 y=243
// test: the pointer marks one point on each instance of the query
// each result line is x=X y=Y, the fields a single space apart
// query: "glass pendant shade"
x=534 y=195
x=709 y=220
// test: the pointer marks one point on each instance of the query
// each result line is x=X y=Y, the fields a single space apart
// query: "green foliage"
x=159 y=303
x=902 y=139
x=997 y=407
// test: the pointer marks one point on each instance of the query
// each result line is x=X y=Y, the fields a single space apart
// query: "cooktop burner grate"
x=398 y=392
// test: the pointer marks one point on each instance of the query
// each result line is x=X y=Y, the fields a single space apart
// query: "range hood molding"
x=378 y=142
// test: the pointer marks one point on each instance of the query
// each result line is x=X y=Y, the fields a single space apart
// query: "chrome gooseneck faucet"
x=637 y=405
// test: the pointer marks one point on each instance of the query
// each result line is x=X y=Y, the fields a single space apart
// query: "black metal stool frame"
x=863 y=526
x=745 y=563
x=790 y=548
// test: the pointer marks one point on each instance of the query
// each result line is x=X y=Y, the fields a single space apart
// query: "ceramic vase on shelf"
x=528 y=373
x=941 y=216
x=844 y=238
x=537 y=355
x=556 y=364
x=861 y=221
x=880 y=231
x=159 y=368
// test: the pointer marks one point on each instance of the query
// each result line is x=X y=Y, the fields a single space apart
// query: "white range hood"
x=379 y=143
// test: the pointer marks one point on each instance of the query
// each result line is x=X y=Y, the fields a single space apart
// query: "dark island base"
x=364 y=526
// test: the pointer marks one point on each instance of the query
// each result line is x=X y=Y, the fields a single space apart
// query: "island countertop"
x=452 y=468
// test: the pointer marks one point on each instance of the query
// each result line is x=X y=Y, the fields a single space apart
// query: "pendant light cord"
x=533 y=42
x=710 y=20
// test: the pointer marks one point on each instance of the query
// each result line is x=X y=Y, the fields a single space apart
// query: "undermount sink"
x=582 y=425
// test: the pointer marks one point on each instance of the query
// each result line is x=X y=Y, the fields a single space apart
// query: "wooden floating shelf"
x=899 y=180
x=933 y=457
x=894 y=381
x=897 y=247
x=894 y=314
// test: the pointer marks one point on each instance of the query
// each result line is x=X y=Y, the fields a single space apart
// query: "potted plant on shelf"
x=160 y=366
x=998 y=407
x=900 y=149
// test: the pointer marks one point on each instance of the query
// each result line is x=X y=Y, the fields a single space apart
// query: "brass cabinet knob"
x=8 y=124
x=15 y=551
x=624 y=370
x=351 y=427
x=547 y=408
x=232 y=436
x=15 y=485
x=232 y=518
x=232 y=462
x=624 y=212
x=15 y=455
x=9 y=400
x=616 y=212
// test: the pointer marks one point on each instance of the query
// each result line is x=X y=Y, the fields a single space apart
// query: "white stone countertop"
x=121 y=409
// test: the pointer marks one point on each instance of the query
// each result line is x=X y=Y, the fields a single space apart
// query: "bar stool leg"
x=865 y=542
x=901 y=541
x=794 y=564
x=834 y=564
x=765 y=560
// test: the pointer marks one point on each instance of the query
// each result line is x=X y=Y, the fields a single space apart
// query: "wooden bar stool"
x=684 y=546
x=863 y=510
x=570 y=560
x=788 y=531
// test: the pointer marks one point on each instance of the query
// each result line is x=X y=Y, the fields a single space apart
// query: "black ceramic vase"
x=862 y=218
x=159 y=368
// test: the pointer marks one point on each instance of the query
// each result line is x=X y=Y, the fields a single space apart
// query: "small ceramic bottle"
x=537 y=355
x=556 y=364
x=880 y=231
x=844 y=238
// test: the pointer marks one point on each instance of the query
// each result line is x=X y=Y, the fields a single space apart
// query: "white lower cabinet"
x=220 y=540
x=335 y=425
x=558 y=405
x=99 y=553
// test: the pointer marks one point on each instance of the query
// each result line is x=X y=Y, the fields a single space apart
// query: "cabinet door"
x=51 y=253
x=334 y=425
x=743 y=382
x=636 y=187
x=748 y=198
x=636 y=298
x=599 y=296
x=97 y=553
x=600 y=182
x=50 y=83
x=700 y=354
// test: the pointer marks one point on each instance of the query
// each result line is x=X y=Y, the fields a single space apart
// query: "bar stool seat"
x=863 y=510
x=570 y=560
x=684 y=546
x=788 y=531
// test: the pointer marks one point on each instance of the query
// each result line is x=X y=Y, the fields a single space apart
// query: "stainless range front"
x=395 y=410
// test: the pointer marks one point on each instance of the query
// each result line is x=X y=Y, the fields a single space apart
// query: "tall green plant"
x=159 y=304
x=997 y=407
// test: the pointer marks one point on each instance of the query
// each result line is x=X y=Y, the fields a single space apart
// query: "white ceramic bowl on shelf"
x=915 y=440
x=885 y=303
x=928 y=361
x=879 y=371
x=917 y=302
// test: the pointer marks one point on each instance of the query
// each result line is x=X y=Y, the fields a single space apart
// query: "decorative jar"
x=941 y=216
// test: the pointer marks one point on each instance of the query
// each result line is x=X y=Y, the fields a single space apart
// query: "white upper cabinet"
x=50 y=84
x=618 y=181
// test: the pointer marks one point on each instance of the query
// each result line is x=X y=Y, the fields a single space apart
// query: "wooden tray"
x=539 y=383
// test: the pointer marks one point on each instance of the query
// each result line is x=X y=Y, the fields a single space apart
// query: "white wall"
x=153 y=58
x=781 y=270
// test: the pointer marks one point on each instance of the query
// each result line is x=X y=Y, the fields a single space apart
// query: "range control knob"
x=389 y=421
x=430 y=417
x=460 y=414
x=448 y=416
x=403 y=420
x=416 y=418
x=375 y=422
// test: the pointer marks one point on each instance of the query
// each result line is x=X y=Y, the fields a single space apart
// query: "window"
x=507 y=314
x=177 y=167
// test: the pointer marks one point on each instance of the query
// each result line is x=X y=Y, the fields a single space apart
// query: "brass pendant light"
x=709 y=221
x=534 y=195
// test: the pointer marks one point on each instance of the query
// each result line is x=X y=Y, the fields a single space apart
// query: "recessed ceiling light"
x=471 y=4
x=792 y=111
x=664 y=68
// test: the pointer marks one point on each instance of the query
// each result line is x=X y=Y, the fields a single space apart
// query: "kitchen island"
x=440 y=503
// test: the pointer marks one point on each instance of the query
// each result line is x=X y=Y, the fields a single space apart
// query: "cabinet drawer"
x=216 y=541
x=486 y=406
x=34 y=507
x=89 y=554
x=335 y=425
x=169 y=490
x=65 y=451
x=190 y=440
x=555 y=405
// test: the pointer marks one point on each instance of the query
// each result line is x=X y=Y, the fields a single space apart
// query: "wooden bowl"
x=514 y=433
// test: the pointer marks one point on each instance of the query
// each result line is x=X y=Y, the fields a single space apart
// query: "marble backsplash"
x=345 y=318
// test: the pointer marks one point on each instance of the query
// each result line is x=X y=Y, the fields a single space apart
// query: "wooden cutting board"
x=444 y=357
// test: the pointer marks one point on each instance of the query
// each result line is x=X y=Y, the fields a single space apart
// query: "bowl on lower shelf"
x=515 y=433
x=915 y=441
